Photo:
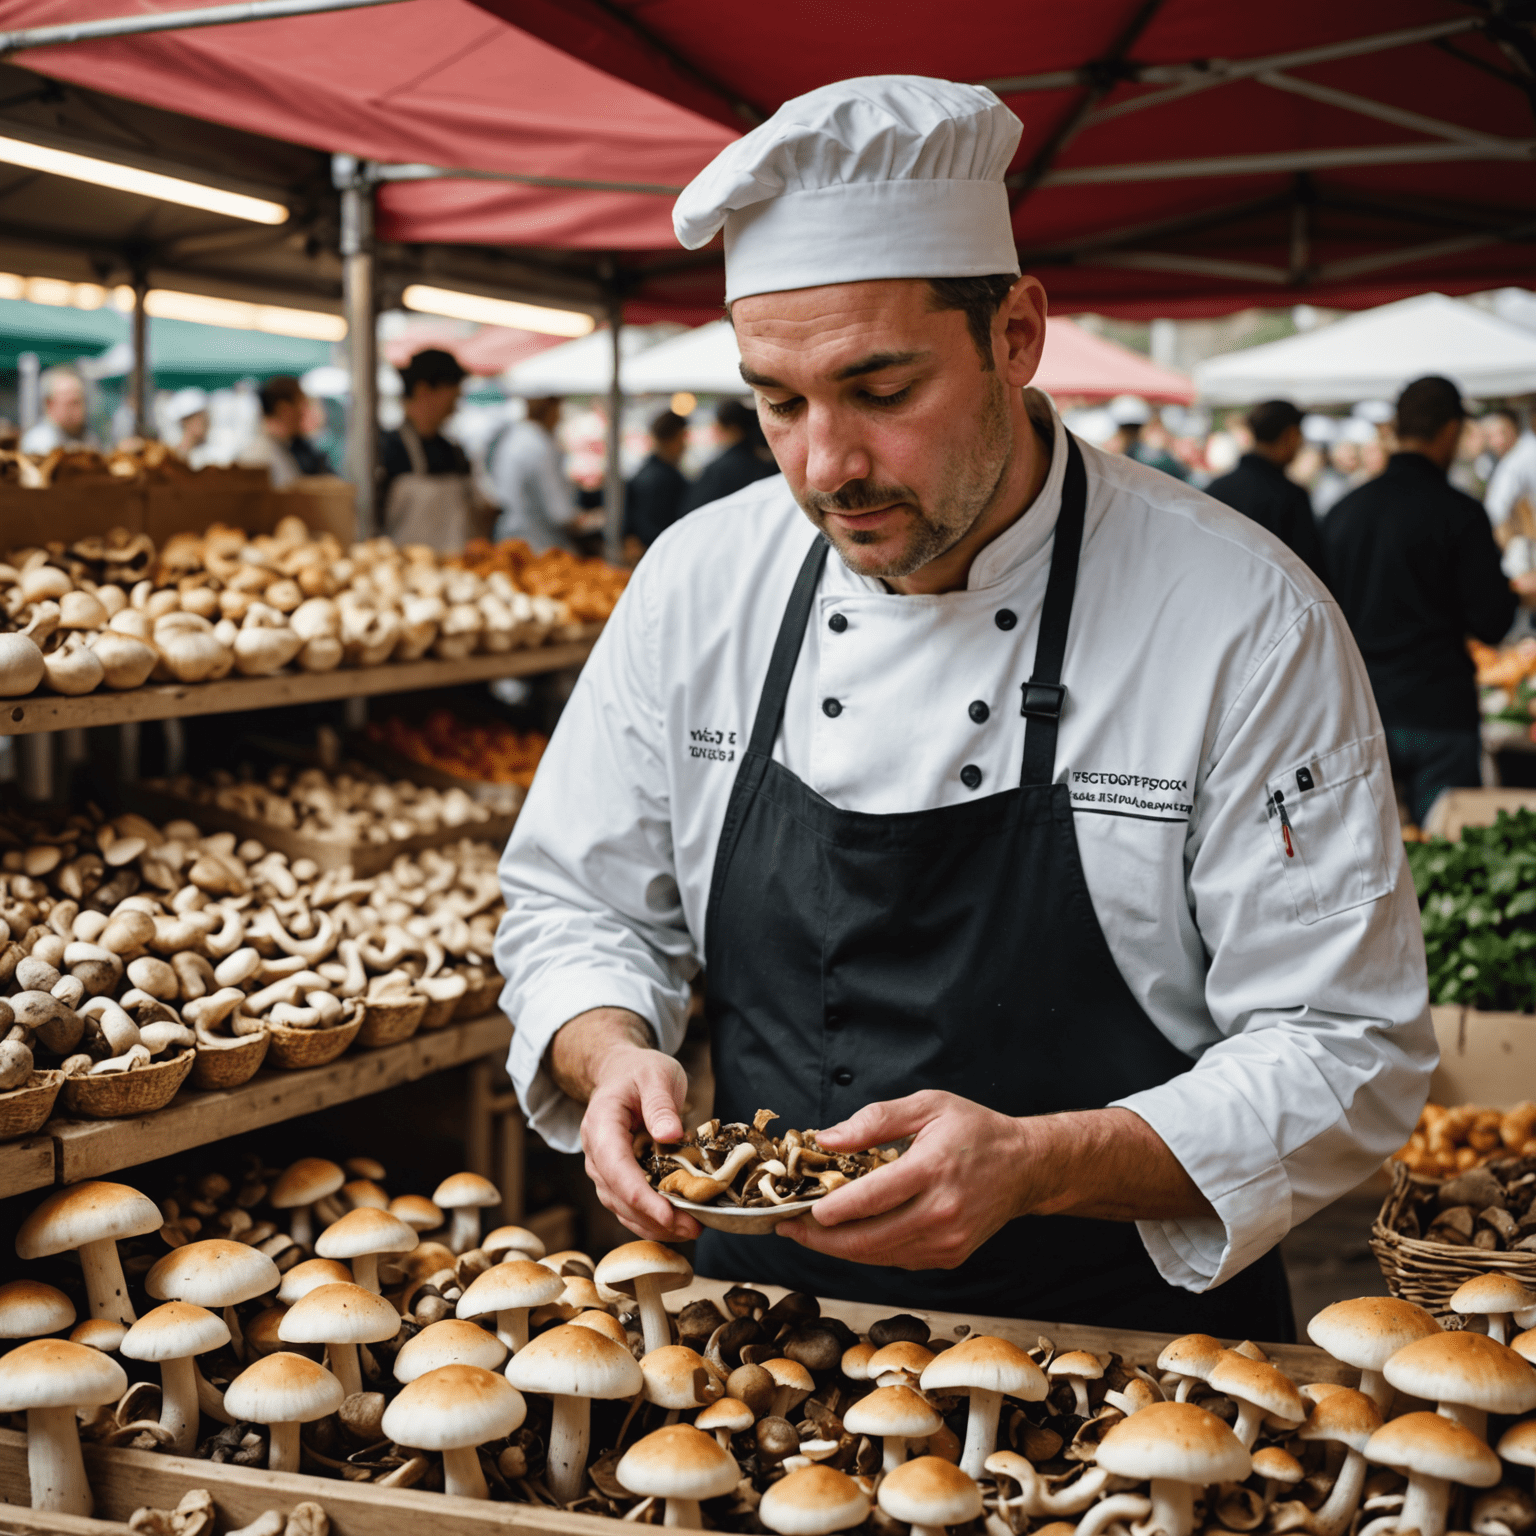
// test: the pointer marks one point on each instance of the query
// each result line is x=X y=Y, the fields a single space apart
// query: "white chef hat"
x=884 y=176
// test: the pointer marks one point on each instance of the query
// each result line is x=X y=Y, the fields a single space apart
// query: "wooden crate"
x=364 y=858
x=1485 y=1058
x=125 y=1480
x=1458 y=808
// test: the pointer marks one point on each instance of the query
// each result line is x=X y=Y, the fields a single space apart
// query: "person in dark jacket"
x=653 y=499
x=746 y=457
x=1259 y=487
x=1415 y=569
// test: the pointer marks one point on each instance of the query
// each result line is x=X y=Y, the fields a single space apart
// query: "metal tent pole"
x=138 y=388
x=355 y=180
x=613 y=480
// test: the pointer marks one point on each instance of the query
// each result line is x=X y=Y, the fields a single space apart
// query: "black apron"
x=852 y=958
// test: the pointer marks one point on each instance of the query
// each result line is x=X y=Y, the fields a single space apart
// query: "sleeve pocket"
x=1334 y=858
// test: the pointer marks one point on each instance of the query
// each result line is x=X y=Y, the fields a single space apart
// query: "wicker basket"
x=390 y=1023
x=116 y=1095
x=23 y=1110
x=292 y=1049
x=230 y=1066
x=479 y=1001
x=439 y=1013
x=1427 y=1273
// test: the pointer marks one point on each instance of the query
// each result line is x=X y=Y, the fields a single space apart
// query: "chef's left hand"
x=968 y=1171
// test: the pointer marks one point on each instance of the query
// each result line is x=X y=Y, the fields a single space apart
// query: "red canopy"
x=1076 y=362
x=429 y=81
x=1179 y=158
x=486 y=351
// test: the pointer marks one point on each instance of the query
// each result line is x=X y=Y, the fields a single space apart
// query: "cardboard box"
x=1457 y=808
x=1485 y=1058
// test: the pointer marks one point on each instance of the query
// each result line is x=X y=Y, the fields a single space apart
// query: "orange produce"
x=493 y=754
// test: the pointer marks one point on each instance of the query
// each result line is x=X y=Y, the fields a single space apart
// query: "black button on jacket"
x=1416 y=571
x=1260 y=489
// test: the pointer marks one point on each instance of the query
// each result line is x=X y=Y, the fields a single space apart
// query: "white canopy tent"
x=1372 y=355
x=704 y=361
x=585 y=366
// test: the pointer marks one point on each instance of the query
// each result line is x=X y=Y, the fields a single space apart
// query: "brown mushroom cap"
x=575 y=1362
x=507 y=1287
x=1275 y=1465
x=86 y=1213
x=1491 y=1293
x=892 y=1411
x=461 y=1189
x=283 y=1388
x=417 y=1211
x=1256 y=1382
x=212 y=1273
x=1174 y=1440
x=727 y=1413
x=454 y=1406
x=676 y=1377
x=604 y=1323
x=1346 y=1416
x=813 y=1501
x=304 y=1277
x=103 y=1333
x=1076 y=1362
x=449 y=1341
x=30 y=1308
x=678 y=1462
x=174 y=1330
x=1192 y=1355
x=986 y=1364
x=1465 y=1368
x=1519 y=1443
x=509 y=1239
x=339 y=1313
x=1434 y=1446
x=53 y=1373
x=304 y=1182
x=365 y=1230
x=1367 y=1331
x=901 y=1355
x=620 y=1268
x=789 y=1373
x=929 y=1491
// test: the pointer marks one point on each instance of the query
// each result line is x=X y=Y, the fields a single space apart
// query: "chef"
x=1013 y=797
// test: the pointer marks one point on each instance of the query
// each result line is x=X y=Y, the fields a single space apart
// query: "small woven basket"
x=115 y=1095
x=230 y=1066
x=23 y=1110
x=1428 y=1273
x=294 y=1049
x=479 y=1001
x=390 y=1023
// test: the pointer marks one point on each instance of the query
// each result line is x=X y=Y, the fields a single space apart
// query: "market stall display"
x=1447 y=1141
x=137 y=956
x=791 y=1409
x=114 y=611
x=488 y=754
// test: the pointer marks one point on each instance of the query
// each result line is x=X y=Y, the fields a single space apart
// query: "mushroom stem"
x=1333 y=1518
x=1185 y=1387
x=365 y=1271
x=1123 y=1506
x=1080 y=1403
x=178 y=1404
x=464 y=1234
x=1375 y=1387
x=1424 y=1508
x=1473 y=1419
x=283 y=1447
x=1498 y=1327
x=462 y=1476
x=209 y=1399
x=980 y=1431
x=685 y=1513
x=1250 y=1420
x=1173 y=1505
x=895 y=1451
x=236 y=1338
x=301 y=1226
x=55 y=1469
x=342 y=1359
x=654 y=1323
x=512 y=1327
x=569 y=1432
x=104 y=1282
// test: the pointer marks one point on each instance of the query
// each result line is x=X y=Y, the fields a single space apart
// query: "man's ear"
x=1018 y=334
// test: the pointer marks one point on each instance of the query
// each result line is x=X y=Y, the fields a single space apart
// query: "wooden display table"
x=124 y=1481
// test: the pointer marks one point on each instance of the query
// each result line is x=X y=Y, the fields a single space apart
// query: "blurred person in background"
x=1140 y=435
x=653 y=499
x=191 y=419
x=279 y=445
x=426 y=485
x=1416 y=570
x=1501 y=431
x=1469 y=449
x=745 y=458
x=64 y=423
x=1260 y=488
x=537 y=504
x=1511 y=495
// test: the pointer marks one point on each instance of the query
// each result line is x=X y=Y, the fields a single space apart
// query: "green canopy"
x=181 y=352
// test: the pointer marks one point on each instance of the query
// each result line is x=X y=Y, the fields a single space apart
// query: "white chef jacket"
x=1513 y=476
x=1206 y=668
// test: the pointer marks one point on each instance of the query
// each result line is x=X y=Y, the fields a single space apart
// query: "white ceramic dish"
x=752 y=1221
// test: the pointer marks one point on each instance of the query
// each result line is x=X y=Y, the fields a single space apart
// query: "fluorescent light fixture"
x=310 y=324
x=126 y=178
x=476 y=307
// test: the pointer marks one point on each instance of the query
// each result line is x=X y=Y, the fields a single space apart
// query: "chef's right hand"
x=629 y=1085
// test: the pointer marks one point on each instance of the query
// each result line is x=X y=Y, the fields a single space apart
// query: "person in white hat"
x=1013 y=797
x=190 y=415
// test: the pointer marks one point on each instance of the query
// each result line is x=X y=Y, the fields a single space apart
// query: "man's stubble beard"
x=933 y=529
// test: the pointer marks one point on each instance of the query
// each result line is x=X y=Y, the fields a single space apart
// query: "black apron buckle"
x=1043 y=701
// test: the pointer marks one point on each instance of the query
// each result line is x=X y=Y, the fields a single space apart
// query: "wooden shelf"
x=88 y=1149
x=25 y=1165
x=52 y=712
